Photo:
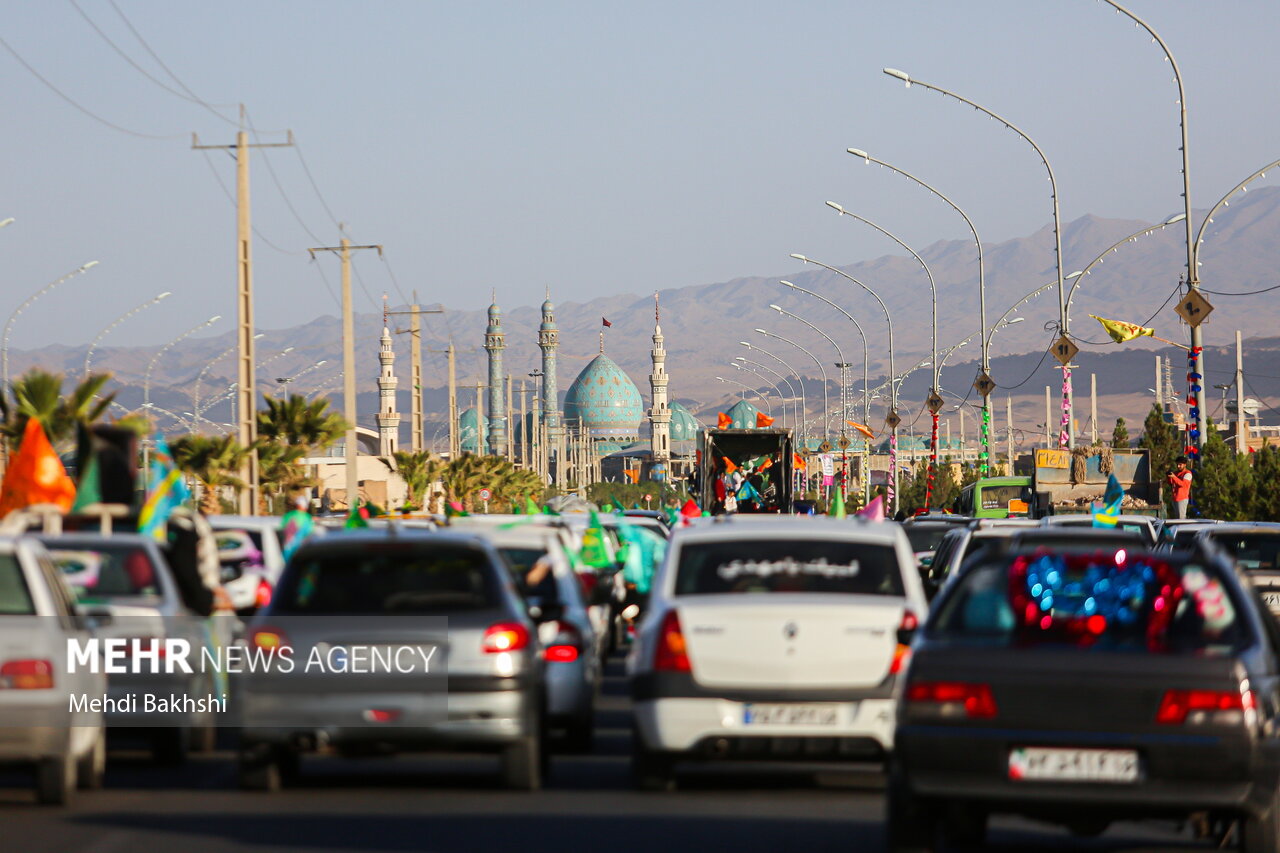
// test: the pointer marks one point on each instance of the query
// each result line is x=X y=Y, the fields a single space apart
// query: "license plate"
x=789 y=715
x=1073 y=765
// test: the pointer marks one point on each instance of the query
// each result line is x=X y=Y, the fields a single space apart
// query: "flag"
x=295 y=527
x=873 y=511
x=837 y=510
x=89 y=487
x=358 y=518
x=763 y=420
x=593 y=552
x=35 y=475
x=1121 y=331
x=605 y=322
x=723 y=421
x=747 y=492
x=530 y=507
x=166 y=491
x=765 y=465
x=729 y=467
x=862 y=428
x=453 y=509
x=690 y=509
x=1109 y=514
x=798 y=461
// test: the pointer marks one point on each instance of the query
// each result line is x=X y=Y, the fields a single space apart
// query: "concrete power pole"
x=1242 y=439
x=1093 y=404
x=417 y=439
x=453 y=404
x=246 y=394
x=1008 y=416
x=343 y=250
x=1048 y=416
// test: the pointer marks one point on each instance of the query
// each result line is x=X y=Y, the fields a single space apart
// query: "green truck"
x=1059 y=484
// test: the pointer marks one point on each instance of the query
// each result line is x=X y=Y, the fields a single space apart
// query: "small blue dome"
x=470 y=439
x=605 y=400
x=684 y=426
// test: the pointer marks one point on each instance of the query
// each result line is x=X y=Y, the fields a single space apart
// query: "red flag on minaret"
x=606 y=323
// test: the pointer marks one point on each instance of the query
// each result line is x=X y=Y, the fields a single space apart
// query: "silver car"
x=448 y=598
x=37 y=689
x=123 y=584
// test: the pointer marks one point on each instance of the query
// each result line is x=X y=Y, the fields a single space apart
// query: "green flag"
x=836 y=510
x=358 y=518
x=89 y=488
x=530 y=507
x=593 y=552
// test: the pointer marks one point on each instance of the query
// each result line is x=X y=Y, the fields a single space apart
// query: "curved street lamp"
x=205 y=370
x=777 y=387
x=8 y=326
x=151 y=366
x=1224 y=202
x=1066 y=437
x=822 y=370
x=782 y=380
x=155 y=300
x=1079 y=276
x=802 y=416
x=747 y=389
x=893 y=391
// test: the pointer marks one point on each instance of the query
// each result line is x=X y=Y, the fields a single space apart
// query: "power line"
x=275 y=179
x=85 y=110
x=227 y=192
x=1245 y=293
x=307 y=170
x=1033 y=370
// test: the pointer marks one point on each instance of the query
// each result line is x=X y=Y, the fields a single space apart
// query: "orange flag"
x=766 y=464
x=763 y=420
x=35 y=475
x=723 y=421
x=798 y=460
x=729 y=467
x=862 y=429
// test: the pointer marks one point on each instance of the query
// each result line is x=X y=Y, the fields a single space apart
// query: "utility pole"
x=417 y=439
x=1093 y=404
x=246 y=389
x=1047 y=418
x=453 y=403
x=511 y=456
x=343 y=250
x=1242 y=440
x=1159 y=385
x=1008 y=416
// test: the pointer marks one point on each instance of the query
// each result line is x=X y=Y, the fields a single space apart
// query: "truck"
x=1059 y=483
x=746 y=471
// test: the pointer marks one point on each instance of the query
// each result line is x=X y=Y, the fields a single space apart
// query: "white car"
x=777 y=639
x=250 y=556
x=38 y=727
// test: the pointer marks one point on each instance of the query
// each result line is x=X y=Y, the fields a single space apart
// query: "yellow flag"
x=1121 y=331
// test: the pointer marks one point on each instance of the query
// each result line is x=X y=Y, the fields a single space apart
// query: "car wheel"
x=522 y=764
x=56 y=780
x=261 y=768
x=1262 y=834
x=170 y=747
x=651 y=771
x=910 y=825
x=93 y=765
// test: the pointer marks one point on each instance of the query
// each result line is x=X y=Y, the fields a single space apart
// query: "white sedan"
x=773 y=639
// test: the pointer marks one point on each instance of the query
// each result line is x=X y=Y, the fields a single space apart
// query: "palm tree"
x=279 y=472
x=464 y=477
x=297 y=421
x=214 y=461
x=38 y=394
x=418 y=470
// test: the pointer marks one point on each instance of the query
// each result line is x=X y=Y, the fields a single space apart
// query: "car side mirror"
x=97 y=618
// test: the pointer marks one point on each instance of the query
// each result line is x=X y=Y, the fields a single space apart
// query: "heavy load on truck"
x=746 y=471
x=1061 y=482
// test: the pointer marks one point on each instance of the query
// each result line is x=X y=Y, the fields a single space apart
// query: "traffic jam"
x=1047 y=670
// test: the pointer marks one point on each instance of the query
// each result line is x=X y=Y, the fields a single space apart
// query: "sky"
x=594 y=148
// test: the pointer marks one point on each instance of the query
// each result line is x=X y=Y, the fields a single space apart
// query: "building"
x=388 y=418
x=495 y=341
x=604 y=404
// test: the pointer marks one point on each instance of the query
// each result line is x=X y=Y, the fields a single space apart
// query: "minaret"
x=660 y=412
x=494 y=343
x=388 y=418
x=549 y=342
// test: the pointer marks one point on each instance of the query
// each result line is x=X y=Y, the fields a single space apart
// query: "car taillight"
x=26 y=675
x=948 y=699
x=1200 y=707
x=268 y=639
x=505 y=637
x=906 y=630
x=672 y=653
x=262 y=595
x=565 y=646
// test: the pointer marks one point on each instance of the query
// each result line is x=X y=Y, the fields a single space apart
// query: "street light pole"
x=151 y=365
x=8 y=326
x=1066 y=437
x=88 y=355
x=803 y=415
x=777 y=386
x=822 y=369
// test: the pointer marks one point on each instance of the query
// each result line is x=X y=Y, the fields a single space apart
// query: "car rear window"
x=789 y=565
x=15 y=598
x=998 y=497
x=925 y=538
x=1102 y=601
x=521 y=561
x=108 y=571
x=1253 y=552
x=396 y=578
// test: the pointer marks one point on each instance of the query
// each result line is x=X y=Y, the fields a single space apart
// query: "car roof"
x=1242 y=527
x=1090 y=535
x=1086 y=517
x=233 y=521
x=374 y=536
x=80 y=537
x=734 y=527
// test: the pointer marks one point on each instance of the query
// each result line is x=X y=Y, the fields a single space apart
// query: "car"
x=39 y=728
x=1142 y=524
x=1086 y=688
x=249 y=551
x=1181 y=537
x=958 y=544
x=924 y=537
x=572 y=645
x=123 y=584
x=772 y=639
x=1255 y=549
x=1071 y=538
x=344 y=597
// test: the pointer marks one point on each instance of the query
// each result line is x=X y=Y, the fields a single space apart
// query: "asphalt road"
x=452 y=805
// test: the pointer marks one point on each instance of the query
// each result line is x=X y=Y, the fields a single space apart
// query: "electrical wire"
x=275 y=179
x=307 y=170
x=85 y=110
x=1245 y=293
x=227 y=192
x=1033 y=370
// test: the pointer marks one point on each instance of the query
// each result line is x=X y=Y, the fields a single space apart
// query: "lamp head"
x=858 y=152
x=836 y=207
x=215 y=318
x=800 y=258
x=762 y=331
x=785 y=283
x=1173 y=219
x=745 y=344
x=777 y=308
x=160 y=296
x=89 y=266
x=900 y=75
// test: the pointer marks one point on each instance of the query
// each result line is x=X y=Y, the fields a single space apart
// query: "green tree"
x=1266 y=475
x=38 y=394
x=280 y=472
x=418 y=470
x=297 y=421
x=1162 y=442
x=1224 y=484
x=1120 y=435
x=912 y=487
x=213 y=460
x=945 y=487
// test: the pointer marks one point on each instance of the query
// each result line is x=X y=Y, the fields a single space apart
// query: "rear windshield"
x=770 y=565
x=998 y=497
x=396 y=578
x=925 y=538
x=1060 y=541
x=15 y=598
x=521 y=560
x=108 y=571
x=1253 y=552
x=1094 y=601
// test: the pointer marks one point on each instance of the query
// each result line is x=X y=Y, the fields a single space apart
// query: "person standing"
x=1180 y=480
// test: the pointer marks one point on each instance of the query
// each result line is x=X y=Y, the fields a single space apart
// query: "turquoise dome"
x=470 y=439
x=606 y=401
x=684 y=426
x=743 y=414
